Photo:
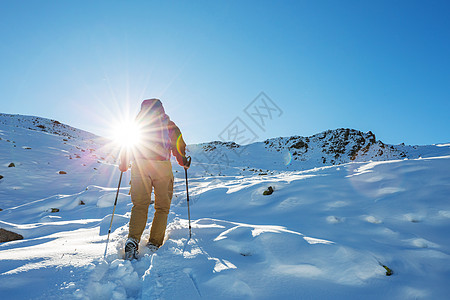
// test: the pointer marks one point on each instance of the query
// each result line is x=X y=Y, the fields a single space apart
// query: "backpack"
x=155 y=138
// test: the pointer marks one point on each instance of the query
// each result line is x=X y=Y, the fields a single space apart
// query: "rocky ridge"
x=331 y=147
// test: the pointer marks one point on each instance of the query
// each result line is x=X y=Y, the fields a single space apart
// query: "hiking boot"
x=131 y=249
x=152 y=247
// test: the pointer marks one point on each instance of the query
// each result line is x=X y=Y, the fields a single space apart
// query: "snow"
x=325 y=232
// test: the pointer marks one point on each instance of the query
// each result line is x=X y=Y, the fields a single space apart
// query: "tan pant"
x=145 y=175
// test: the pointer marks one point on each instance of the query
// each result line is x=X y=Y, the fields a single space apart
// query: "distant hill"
x=45 y=125
x=331 y=147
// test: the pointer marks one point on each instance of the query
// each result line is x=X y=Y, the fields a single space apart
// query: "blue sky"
x=382 y=66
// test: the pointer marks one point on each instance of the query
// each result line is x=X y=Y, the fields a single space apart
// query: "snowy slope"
x=41 y=148
x=325 y=232
x=46 y=125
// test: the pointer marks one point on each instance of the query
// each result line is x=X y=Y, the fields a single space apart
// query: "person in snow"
x=151 y=170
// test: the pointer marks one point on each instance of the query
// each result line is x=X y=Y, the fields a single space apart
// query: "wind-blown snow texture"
x=344 y=204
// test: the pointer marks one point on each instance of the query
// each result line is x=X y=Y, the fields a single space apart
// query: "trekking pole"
x=187 y=195
x=112 y=216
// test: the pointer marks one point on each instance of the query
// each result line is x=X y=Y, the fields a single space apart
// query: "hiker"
x=151 y=169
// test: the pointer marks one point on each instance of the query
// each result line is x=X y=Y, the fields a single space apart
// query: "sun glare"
x=126 y=134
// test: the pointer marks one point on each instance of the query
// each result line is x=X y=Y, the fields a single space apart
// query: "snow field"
x=325 y=232
x=240 y=260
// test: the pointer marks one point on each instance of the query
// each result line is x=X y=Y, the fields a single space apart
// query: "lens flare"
x=287 y=157
x=126 y=134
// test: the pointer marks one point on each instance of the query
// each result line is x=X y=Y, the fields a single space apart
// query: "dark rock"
x=269 y=191
x=372 y=138
x=300 y=144
x=1 y=177
x=62 y=172
x=53 y=210
x=11 y=165
x=389 y=272
x=82 y=203
x=7 y=236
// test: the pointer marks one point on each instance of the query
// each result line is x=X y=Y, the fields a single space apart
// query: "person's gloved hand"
x=186 y=162
x=123 y=166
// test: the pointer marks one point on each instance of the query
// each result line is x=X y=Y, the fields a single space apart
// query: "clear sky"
x=382 y=66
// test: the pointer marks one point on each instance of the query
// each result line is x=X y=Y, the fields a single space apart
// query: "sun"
x=126 y=134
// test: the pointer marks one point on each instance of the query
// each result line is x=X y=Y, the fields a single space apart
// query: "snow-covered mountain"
x=327 y=148
x=345 y=209
x=46 y=125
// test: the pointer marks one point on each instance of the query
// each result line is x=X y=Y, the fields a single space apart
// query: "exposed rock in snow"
x=7 y=236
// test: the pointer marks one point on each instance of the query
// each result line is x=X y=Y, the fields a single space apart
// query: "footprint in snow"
x=373 y=220
x=334 y=220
